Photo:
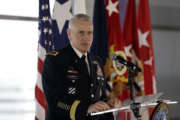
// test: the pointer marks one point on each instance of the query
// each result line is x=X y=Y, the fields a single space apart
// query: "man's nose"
x=86 y=36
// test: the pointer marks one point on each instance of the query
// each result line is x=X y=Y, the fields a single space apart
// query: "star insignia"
x=149 y=62
x=50 y=31
x=112 y=7
x=44 y=19
x=62 y=13
x=134 y=57
x=143 y=38
x=45 y=30
x=127 y=50
x=42 y=7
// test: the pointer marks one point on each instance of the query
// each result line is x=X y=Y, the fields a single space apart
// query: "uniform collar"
x=79 y=54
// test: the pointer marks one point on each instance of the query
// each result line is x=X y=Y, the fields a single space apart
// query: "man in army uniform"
x=73 y=79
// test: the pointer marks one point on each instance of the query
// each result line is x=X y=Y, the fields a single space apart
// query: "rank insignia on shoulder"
x=53 y=53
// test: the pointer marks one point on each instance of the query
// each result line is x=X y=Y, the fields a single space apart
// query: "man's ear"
x=69 y=33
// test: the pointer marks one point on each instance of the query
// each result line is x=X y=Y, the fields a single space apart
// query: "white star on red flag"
x=62 y=13
x=127 y=50
x=143 y=38
x=149 y=62
x=134 y=57
x=112 y=7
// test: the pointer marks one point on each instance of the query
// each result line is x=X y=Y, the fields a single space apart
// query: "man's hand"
x=98 y=106
x=114 y=102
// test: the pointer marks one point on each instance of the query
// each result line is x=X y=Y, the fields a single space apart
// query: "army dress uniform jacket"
x=68 y=90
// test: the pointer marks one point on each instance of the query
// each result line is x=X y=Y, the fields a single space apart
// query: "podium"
x=135 y=104
x=149 y=101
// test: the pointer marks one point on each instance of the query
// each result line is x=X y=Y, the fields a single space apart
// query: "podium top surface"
x=145 y=102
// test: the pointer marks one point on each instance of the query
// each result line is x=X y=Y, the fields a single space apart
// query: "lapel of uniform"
x=72 y=55
x=91 y=66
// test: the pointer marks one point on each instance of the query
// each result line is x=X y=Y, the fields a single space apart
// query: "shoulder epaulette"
x=53 y=53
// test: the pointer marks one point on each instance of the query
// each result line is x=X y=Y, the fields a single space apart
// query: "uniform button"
x=92 y=95
x=73 y=81
x=92 y=85
x=98 y=78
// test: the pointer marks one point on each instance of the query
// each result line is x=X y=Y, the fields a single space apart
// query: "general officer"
x=73 y=79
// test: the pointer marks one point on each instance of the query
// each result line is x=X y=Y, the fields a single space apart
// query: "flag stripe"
x=39 y=81
x=39 y=95
x=41 y=52
x=40 y=112
x=36 y=118
x=40 y=65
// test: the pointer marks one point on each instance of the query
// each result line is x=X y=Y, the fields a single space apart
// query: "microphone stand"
x=132 y=69
x=135 y=107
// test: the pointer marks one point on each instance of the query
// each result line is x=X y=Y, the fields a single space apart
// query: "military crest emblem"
x=160 y=112
x=119 y=68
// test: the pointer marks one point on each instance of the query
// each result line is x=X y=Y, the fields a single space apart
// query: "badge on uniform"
x=72 y=74
x=99 y=71
x=73 y=71
x=72 y=90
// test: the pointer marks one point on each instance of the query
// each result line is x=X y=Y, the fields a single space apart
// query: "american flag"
x=46 y=44
x=50 y=39
x=52 y=36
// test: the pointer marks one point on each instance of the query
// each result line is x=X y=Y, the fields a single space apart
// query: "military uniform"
x=68 y=90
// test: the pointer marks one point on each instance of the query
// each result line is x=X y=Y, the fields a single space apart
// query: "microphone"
x=128 y=64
